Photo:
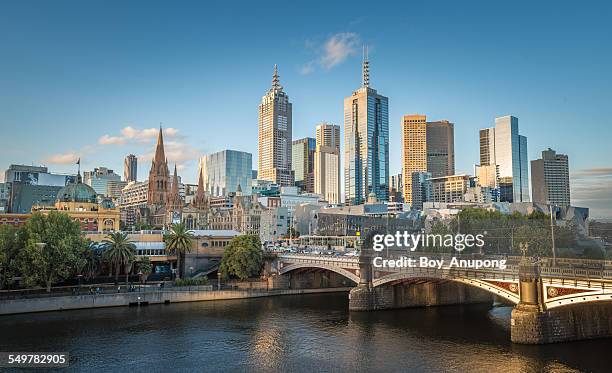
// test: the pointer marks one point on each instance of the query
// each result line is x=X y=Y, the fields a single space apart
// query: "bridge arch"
x=507 y=289
x=341 y=271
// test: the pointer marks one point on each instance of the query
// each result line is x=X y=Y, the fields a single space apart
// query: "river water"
x=308 y=333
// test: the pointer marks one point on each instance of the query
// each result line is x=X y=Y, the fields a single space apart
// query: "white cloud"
x=111 y=140
x=65 y=158
x=132 y=134
x=333 y=52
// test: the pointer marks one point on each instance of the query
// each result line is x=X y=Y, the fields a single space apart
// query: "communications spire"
x=276 y=86
x=365 y=68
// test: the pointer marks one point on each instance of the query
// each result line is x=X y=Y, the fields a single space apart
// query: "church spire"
x=365 y=68
x=160 y=155
x=200 y=196
x=174 y=198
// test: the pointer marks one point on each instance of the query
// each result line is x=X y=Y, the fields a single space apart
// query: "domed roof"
x=77 y=192
x=107 y=204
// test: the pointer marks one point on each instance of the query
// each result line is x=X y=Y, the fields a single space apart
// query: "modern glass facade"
x=366 y=139
x=504 y=147
x=223 y=171
x=302 y=163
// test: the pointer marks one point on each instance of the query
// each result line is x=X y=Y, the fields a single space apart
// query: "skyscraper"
x=426 y=147
x=366 y=142
x=302 y=163
x=327 y=163
x=224 y=171
x=504 y=147
x=414 y=150
x=440 y=148
x=550 y=179
x=275 y=135
x=130 y=168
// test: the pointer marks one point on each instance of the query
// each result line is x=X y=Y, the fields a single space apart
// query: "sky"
x=95 y=79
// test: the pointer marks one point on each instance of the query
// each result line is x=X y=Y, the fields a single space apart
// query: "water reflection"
x=294 y=333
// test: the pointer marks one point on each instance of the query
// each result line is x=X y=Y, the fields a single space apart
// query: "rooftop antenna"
x=365 y=67
x=276 y=86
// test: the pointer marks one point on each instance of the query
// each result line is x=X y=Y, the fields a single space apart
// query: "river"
x=308 y=333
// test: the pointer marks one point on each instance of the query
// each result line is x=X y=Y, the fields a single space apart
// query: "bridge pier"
x=532 y=323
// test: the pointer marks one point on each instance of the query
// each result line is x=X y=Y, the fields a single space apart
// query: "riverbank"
x=86 y=301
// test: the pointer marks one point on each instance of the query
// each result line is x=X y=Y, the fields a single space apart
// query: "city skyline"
x=79 y=115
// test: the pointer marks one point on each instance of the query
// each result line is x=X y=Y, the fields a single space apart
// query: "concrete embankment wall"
x=154 y=297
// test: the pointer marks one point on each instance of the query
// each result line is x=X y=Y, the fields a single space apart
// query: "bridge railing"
x=567 y=269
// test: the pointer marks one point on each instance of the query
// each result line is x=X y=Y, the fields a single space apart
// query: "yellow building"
x=414 y=150
x=80 y=202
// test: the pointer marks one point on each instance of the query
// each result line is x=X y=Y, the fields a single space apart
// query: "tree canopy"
x=242 y=258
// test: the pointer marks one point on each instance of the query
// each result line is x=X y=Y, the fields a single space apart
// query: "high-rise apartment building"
x=130 y=168
x=366 y=143
x=550 y=179
x=327 y=163
x=426 y=147
x=302 y=163
x=275 y=135
x=224 y=171
x=505 y=148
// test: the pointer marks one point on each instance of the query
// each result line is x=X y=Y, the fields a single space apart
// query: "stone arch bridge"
x=568 y=300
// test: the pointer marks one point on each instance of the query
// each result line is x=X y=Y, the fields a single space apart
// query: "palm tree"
x=119 y=251
x=179 y=242
x=91 y=260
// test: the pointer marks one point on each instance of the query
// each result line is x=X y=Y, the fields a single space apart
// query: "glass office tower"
x=504 y=147
x=366 y=139
x=223 y=171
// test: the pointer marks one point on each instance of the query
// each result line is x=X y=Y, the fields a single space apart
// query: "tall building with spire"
x=366 y=142
x=275 y=135
x=159 y=176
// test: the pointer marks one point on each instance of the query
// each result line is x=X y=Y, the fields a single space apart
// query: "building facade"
x=130 y=168
x=275 y=131
x=440 y=148
x=449 y=189
x=550 y=179
x=422 y=189
x=505 y=148
x=414 y=150
x=327 y=163
x=302 y=163
x=224 y=171
x=366 y=143
x=426 y=147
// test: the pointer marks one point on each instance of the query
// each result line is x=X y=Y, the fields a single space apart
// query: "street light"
x=218 y=280
x=552 y=234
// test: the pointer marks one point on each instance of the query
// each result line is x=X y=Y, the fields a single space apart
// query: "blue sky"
x=91 y=79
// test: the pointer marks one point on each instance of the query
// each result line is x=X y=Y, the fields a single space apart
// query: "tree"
x=119 y=251
x=53 y=248
x=242 y=257
x=91 y=260
x=178 y=242
x=145 y=267
x=536 y=236
x=9 y=247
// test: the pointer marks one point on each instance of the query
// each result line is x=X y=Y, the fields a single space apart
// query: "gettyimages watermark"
x=410 y=242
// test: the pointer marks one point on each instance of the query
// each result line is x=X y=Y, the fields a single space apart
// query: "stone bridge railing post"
x=363 y=297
